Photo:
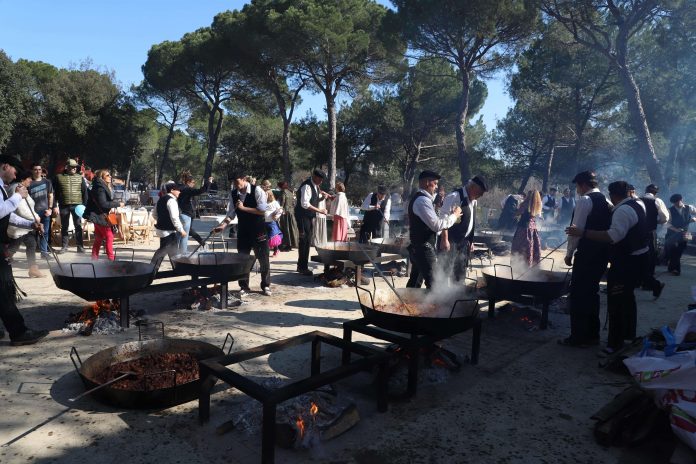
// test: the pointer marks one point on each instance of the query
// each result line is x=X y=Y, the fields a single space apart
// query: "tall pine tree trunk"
x=331 y=114
x=215 y=116
x=460 y=128
x=167 y=145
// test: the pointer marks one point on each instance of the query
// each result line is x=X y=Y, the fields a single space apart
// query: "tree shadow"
x=285 y=319
x=341 y=305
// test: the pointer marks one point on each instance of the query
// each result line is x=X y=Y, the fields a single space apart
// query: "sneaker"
x=45 y=255
x=244 y=291
x=266 y=291
x=80 y=249
x=29 y=337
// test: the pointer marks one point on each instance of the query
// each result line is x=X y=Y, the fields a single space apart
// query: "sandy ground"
x=528 y=399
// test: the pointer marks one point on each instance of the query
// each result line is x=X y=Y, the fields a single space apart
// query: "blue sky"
x=116 y=35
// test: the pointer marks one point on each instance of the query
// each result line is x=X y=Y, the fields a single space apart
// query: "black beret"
x=12 y=161
x=631 y=187
x=382 y=189
x=478 y=180
x=584 y=177
x=238 y=175
x=676 y=198
x=172 y=186
x=652 y=188
x=319 y=173
x=428 y=175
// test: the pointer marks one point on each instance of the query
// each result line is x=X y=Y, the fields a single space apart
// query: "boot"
x=34 y=271
x=64 y=248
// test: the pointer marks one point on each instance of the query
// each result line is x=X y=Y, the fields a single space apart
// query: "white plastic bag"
x=686 y=324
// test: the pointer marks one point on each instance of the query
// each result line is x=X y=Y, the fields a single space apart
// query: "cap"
x=584 y=177
x=172 y=186
x=478 y=180
x=382 y=189
x=428 y=175
x=652 y=188
x=676 y=198
x=12 y=161
x=319 y=173
x=631 y=187
x=72 y=163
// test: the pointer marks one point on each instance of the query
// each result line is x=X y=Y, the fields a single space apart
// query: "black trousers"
x=588 y=268
x=9 y=314
x=169 y=245
x=649 y=281
x=623 y=278
x=65 y=213
x=261 y=253
x=674 y=249
x=369 y=231
x=305 y=227
x=423 y=260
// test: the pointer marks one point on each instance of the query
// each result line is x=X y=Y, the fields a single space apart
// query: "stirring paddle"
x=537 y=263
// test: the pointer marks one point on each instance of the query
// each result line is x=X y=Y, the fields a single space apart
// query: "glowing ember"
x=314 y=409
x=300 y=427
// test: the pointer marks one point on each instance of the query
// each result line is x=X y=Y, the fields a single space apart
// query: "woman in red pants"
x=98 y=206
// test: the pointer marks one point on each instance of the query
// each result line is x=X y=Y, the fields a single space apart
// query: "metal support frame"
x=411 y=343
x=216 y=368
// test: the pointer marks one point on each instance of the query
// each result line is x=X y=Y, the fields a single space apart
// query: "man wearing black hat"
x=11 y=318
x=424 y=226
x=681 y=215
x=305 y=212
x=549 y=204
x=377 y=207
x=589 y=260
x=248 y=204
x=628 y=239
x=168 y=226
x=655 y=213
x=458 y=239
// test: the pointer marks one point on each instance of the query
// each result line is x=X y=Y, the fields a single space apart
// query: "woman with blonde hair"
x=339 y=211
x=526 y=243
x=99 y=204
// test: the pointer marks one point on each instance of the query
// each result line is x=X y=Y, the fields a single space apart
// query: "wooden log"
x=348 y=418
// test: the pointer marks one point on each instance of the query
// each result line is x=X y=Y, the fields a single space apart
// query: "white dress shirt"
x=583 y=208
x=366 y=206
x=173 y=208
x=10 y=205
x=662 y=211
x=424 y=209
x=623 y=218
x=259 y=194
x=306 y=194
x=451 y=200
x=544 y=200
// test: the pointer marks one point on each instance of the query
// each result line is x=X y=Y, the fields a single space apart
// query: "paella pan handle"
x=456 y=302
x=214 y=255
x=147 y=375
x=72 y=271
x=231 y=339
x=550 y=259
x=495 y=267
x=145 y=324
x=372 y=300
x=74 y=354
x=132 y=252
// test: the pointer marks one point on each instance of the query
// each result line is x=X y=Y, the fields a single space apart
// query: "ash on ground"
x=209 y=299
x=104 y=324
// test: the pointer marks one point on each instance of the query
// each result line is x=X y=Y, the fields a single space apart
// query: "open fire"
x=100 y=317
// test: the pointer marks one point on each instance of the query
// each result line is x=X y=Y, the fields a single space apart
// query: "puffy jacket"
x=100 y=201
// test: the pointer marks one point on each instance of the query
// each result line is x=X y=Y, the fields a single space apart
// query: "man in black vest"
x=549 y=204
x=458 y=239
x=307 y=208
x=168 y=226
x=589 y=260
x=424 y=225
x=377 y=207
x=681 y=215
x=11 y=318
x=248 y=204
x=628 y=239
x=655 y=213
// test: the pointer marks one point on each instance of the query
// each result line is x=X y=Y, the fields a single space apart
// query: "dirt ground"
x=528 y=400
